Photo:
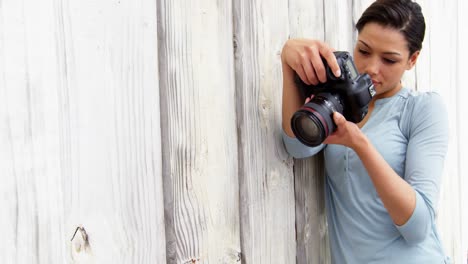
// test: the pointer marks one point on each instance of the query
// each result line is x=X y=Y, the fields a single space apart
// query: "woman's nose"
x=372 y=67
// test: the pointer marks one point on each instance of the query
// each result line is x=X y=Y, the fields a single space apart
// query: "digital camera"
x=348 y=94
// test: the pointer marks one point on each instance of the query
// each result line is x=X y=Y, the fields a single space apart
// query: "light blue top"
x=410 y=131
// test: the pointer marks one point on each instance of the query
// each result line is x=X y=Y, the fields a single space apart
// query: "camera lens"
x=314 y=121
x=308 y=128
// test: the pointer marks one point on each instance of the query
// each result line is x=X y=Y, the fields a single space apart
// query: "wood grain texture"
x=115 y=100
x=199 y=132
x=307 y=19
x=266 y=179
x=311 y=220
x=82 y=132
x=338 y=22
x=32 y=185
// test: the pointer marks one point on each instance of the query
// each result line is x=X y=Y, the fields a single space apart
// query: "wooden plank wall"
x=80 y=132
x=142 y=131
x=266 y=179
x=198 y=114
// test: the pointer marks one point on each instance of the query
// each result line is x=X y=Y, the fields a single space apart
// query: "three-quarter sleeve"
x=298 y=150
x=426 y=126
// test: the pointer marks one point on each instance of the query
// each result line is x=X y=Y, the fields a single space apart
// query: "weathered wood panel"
x=338 y=22
x=266 y=179
x=311 y=221
x=115 y=138
x=306 y=20
x=199 y=133
x=31 y=188
x=80 y=126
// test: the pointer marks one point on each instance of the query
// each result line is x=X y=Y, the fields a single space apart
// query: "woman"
x=383 y=174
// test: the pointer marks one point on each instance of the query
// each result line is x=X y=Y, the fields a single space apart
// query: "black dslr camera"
x=348 y=94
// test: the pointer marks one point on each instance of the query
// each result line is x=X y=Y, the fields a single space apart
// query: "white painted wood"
x=339 y=27
x=31 y=189
x=266 y=179
x=80 y=132
x=307 y=21
x=199 y=132
x=311 y=221
x=115 y=137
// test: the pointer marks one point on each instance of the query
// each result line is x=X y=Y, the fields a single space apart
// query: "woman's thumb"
x=338 y=118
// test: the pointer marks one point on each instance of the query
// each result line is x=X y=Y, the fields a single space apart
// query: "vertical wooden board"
x=31 y=189
x=47 y=134
x=339 y=27
x=115 y=159
x=307 y=20
x=266 y=179
x=82 y=132
x=311 y=222
x=199 y=137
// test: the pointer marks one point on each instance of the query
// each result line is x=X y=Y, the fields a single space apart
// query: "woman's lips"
x=375 y=82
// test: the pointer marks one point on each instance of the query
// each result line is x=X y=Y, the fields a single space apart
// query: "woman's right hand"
x=304 y=56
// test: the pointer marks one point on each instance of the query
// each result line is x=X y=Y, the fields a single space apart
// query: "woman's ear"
x=412 y=60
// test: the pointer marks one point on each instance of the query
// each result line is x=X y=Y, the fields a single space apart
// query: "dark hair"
x=403 y=15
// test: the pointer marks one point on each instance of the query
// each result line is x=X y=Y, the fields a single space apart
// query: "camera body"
x=348 y=94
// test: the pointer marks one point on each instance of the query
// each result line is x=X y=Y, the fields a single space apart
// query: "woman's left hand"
x=347 y=133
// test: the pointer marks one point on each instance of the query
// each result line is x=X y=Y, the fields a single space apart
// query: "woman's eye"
x=389 y=61
x=363 y=52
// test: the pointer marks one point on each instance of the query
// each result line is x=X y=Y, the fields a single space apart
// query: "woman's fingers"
x=327 y=53
x=308 y=99
x=300 y=71
x=339 y=119
x=310 y=73
x=319 y=68
x=305 y=58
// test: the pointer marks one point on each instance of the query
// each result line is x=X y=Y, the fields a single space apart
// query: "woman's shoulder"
x=418 y=98
x=422 y=103
x=422 y=108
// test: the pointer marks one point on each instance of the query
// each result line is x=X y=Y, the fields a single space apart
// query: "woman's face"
x=382 y=52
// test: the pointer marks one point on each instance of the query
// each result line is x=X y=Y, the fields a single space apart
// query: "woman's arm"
x=304 y=57
x=410 y=199
x=396 y=194
x=291 y=98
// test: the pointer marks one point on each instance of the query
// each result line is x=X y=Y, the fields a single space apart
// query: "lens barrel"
x=313 y=123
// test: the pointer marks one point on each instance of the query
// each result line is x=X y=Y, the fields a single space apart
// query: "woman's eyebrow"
x=386 y=52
